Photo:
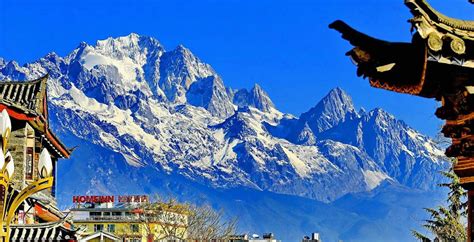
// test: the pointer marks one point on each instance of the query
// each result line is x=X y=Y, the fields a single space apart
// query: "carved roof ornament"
x=439 y=43
x=425 y=16
x=393 y=66
x=438 y=28
x=437 y=63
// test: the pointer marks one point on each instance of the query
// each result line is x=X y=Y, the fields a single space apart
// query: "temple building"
x=37 y=217
x=438 y=63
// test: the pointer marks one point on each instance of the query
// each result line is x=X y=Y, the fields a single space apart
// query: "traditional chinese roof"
x=393 y=66
x=55 y=231
x=25 y=96
x=438 y=63
x=450 y=40
x=458 y=26
x=99 y=235
x=441 y=50
x=27 y=100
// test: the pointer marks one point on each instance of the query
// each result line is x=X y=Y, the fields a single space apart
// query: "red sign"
x=110 y=199
x=133 y=198
x=93 y=199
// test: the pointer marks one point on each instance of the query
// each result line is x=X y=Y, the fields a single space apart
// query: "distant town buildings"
x=314 y=238
x=126 y=218
x=266 y=237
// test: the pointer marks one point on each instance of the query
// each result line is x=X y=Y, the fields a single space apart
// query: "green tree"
x=446 y=222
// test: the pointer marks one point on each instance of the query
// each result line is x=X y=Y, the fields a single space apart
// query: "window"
x=106 y=214
x=111 y=228
x=95 y=214
x=29 y=162
x=98 y=227
x=116 y=213
x=30 y=146
x=133 y=240
x=134 y=228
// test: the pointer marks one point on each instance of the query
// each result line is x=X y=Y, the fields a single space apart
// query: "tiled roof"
x=423 y=7
x=54 y=231
x=27 y=96
x=30 y=98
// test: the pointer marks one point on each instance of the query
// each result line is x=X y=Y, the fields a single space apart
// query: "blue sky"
x=285 y=46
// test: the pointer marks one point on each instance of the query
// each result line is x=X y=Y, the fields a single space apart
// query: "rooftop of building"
x=27 y=100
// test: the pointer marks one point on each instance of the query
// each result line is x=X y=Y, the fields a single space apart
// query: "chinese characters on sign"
x=111 y=199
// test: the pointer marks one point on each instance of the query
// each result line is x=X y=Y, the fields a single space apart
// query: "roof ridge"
x=34 y=81
x=424 y=8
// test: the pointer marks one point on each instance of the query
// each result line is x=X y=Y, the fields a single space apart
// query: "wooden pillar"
x=458 y=111
x=470 y=197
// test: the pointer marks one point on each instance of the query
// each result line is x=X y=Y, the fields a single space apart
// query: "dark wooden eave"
x=438 y=63
x=394 y=66
x=406 y=67
x=28 y=101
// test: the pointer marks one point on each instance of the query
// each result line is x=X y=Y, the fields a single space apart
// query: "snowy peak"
x=120 y=70
x=336 y=101
x=260 y=99
x=178 y=70
x=256 y=98
x=210 y=93
x=12 y=71
x=131 y=46
x=306 y=136
x=238 y=125
x=334 y=108
x=380 y=115
x=52 y=57
x=115 y=68
x=128 y=40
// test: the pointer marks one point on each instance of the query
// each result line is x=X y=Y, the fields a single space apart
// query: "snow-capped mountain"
x=256 y=98
x=169 y=114
x=149 y=120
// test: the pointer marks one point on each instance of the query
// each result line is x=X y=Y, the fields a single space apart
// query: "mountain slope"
x=141 y=114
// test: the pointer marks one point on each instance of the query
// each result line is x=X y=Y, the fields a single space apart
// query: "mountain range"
x=149 y=120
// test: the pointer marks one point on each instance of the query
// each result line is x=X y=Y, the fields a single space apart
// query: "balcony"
x=107 y=218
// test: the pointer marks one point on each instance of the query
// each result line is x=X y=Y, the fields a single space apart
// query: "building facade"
x=130 y=220
x=26 y=104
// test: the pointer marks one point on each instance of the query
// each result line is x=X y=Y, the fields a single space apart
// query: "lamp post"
x=8 y=202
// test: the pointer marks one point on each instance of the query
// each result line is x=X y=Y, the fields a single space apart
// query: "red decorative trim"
x=46 y=214
x=17 y=115
x=22 y=116
x=64 y=152
x=45 y=105
x=67 y=225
